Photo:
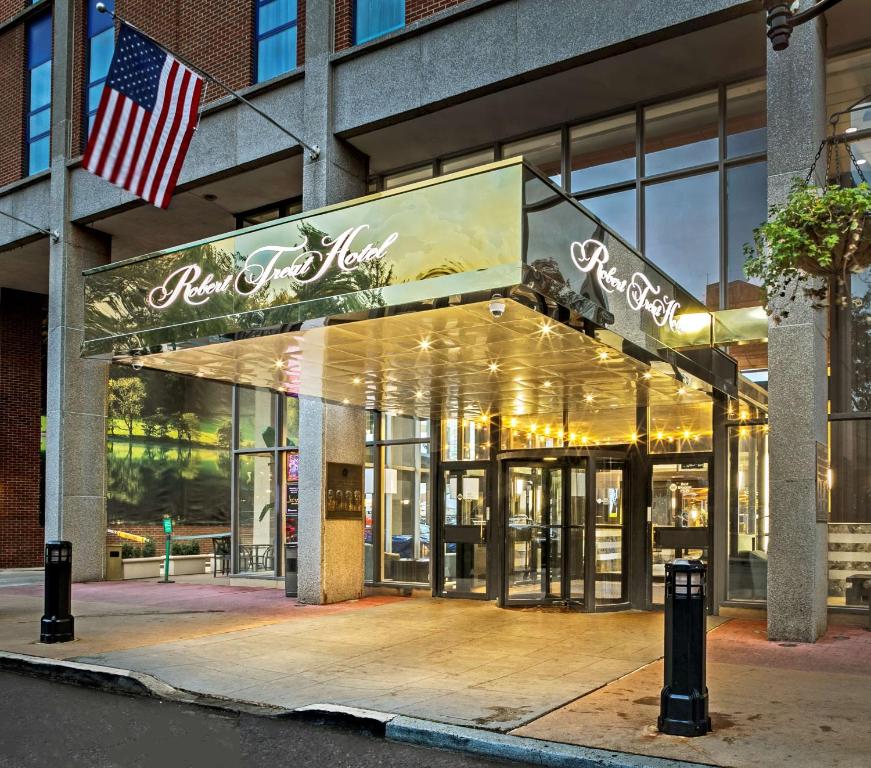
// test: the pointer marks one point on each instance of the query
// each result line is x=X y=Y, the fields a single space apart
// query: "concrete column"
x=797 y=557
x=75 y=507
x=330 y=566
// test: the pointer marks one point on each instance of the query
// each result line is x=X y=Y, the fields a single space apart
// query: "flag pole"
x=314 y=151
x=50 y=232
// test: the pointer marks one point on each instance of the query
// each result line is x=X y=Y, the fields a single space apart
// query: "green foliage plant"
x=810 y=244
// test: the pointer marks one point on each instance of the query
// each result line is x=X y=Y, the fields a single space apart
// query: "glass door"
x=608 y=544
x=465 y=532
x=678 y=517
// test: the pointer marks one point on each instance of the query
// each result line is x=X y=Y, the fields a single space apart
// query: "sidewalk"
x=583 y=679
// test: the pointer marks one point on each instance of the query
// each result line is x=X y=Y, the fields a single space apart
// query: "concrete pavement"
x=582 y=679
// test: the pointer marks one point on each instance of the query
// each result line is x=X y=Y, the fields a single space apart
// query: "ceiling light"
x=418 y=395
x=346 y=401
x=533 y=428
x=545 y=328
x=356 y=380
x=547 y=385
x=861 y=161
x=494 y=366
x=572 y=437
x=603 y=354
x=660 y=434
x=550 y=458
x=647 y=375
x=425 y=344
x=687 y=434
x=589 y=398
x=681 y=390
x=279 y=363
x=513 y=422
x=634 y=437
x=585 y=439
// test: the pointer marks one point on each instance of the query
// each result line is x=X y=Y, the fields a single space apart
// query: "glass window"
x=681 y=427
x=276 y=38
x=848 y=80
x=405 y=489
x=256 y=531
x=618 y=211
x=745 y=119
x=369 y=518
x=373 y=18
x=404 y=427
x=101 y=46
x=256 y=418
x=851 y=349
x=748 y=513
x=408 y=177
x=609 y=533
x=466 y=439
x=682 y=233
x=468 y=161
x=746 y=206
x=291 y=421
x=38 y=119
x=681 y=134
x=603 y=152
x=542 y=152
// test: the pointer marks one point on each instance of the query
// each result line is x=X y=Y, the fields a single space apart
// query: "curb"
x=398 y=728
x=521 y=749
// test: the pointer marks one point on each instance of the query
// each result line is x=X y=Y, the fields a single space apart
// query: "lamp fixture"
x=782 y=19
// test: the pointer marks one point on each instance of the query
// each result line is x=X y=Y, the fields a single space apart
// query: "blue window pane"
x=617 y=211
x=274 y=14
x=94 y=94
x=745 y=119
x=91 y=118
x=746 y=203
x=603 y=152
x=97 y=22
x=102 y=47
x=38 y=156
x=39 y=41
x=377 y=17
x=39 y=122
x=682 y=233
x=681 y=134
x=276 y=54
x=40 y=86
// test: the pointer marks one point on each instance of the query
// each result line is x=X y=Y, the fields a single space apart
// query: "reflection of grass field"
x=207 y=434
x=158 y=452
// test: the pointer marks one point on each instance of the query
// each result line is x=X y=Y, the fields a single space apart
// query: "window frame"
x=258 y=37
x=29 y=113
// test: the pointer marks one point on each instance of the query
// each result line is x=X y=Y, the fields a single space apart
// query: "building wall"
x=415 y=10
x=21 y=324
x=12 y=45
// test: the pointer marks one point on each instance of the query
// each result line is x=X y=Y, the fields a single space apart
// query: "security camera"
x=496 y=306
x=136 y=363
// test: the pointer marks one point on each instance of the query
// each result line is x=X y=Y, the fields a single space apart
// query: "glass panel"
x=276 y=54
x=275 y=13
x=748 y=513
x=40 y=86
x=682 y=233
x=256 y=529
x=848 y=80
x=291 y=421
x=256 y=418
x=408 y=177
x=534 y=546
x=466 y=523
x=618 y=211
x=680 y=134
x=609 y=532
x=39 y=41
x=94 y=94
x=603 y=152
x=262 y=216
x=745 y=119
x=541 y=152
x=403 y=427
x=369 y=504
x=850 y=384
x=405 y=485
x=371 y=421
x=746 y=206
x=468 y=161
x=377 y=17
x=39 y=122
x=102 y=47
x=99 y=21
x=679 y=518
x=466 y=439
x=681 y=427
x=37 y=159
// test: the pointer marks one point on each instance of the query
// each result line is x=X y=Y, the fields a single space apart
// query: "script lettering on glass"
x=299 y=262
x=639 y=292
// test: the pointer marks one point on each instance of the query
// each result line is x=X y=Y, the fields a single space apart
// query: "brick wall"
x=21 y=385
x=415 y=10
x=12 y=44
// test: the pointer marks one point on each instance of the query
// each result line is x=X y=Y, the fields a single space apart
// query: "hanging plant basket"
x=810 y=245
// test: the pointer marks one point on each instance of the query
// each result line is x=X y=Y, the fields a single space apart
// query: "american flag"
x=145 y=121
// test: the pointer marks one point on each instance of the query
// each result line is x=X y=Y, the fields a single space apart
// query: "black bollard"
x=683 y=703
x=57 y=623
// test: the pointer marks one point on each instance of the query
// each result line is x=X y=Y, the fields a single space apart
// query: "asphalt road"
x=54 y=725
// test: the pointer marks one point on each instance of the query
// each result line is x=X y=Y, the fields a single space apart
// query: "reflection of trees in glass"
x=860 y=320
x=126 y=397
x=185 y=424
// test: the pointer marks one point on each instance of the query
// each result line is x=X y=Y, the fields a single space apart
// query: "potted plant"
x=811 y=243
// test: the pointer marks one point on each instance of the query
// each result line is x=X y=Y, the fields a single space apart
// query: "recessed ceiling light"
x=279 y=363
x=356 y=380
x=647 y=375
x=545 y=328
x=681 y=390
x=345 y=401
x=589 y=398
x=418 y=395
x=547 y=385
x=603 y=354
x=861 y=161
x=494 y=366
x=425 y=344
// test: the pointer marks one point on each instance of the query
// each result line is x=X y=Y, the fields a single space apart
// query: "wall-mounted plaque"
x=344 y=492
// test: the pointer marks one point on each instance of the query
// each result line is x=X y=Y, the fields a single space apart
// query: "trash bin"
x=114 y=563
x=290 y=560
